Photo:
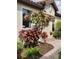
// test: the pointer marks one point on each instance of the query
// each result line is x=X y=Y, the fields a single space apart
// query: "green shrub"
x=57 y=34
x=19 y=45
x=57 y=24
x=57 y=31
x=32 y=52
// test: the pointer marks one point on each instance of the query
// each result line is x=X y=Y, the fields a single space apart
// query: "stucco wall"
x=48 y=29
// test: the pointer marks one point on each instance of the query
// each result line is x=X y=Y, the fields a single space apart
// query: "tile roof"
x=31 y=4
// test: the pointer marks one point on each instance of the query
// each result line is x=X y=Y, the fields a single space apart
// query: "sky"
x=58 y=3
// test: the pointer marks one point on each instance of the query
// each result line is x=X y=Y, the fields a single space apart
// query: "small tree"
x=41 y=20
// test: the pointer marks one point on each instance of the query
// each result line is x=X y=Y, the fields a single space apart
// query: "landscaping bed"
x=32 y=44
x=43 y=49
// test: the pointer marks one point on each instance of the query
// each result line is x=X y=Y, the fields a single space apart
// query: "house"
x=28 y=6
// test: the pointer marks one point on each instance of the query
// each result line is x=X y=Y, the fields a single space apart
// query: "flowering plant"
x=31 y=36
x=44 y=35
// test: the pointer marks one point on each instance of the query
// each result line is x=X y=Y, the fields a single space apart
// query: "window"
x=26 y=18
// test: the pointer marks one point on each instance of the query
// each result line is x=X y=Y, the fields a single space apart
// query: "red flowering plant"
x=30 y=37
x=44 y=36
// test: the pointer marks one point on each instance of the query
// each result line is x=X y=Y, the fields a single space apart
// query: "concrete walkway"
x=53 y=54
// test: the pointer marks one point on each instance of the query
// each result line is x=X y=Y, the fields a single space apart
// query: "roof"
x=56 y=9
x=39 y=5
x=54 y=6
x=31 y=4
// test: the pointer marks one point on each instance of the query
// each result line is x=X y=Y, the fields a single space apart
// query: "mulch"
x=44 y=48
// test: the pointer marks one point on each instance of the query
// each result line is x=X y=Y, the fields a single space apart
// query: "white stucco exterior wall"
x=48 y=29
x=49 y=10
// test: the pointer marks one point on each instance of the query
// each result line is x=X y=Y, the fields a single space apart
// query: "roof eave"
x=31 y=4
